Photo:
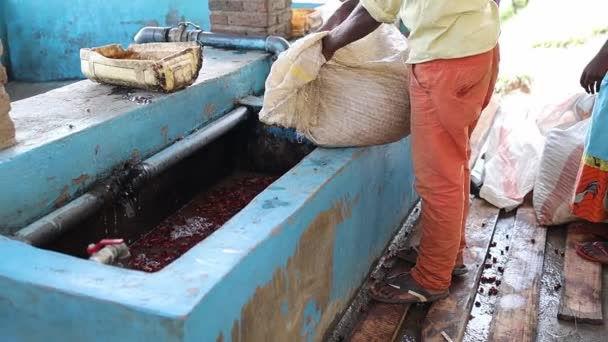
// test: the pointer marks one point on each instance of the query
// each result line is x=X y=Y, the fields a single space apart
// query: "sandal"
x=411 y=255
x=403 y=289
x=593 y=251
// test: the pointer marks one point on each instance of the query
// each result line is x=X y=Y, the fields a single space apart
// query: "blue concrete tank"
x=283 y=268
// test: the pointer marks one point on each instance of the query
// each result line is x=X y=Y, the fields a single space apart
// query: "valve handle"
x=184 y=25
x=96 y=247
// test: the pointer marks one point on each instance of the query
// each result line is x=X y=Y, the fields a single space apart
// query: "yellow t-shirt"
x=442 y=29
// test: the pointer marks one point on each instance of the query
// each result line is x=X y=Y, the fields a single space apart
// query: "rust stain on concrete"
x=135 y=156
x=307 y=277
x=359 y=152
x=165 y=133
x=209 y=110
x=63 y=198
x=292 y=220
x=80 y=179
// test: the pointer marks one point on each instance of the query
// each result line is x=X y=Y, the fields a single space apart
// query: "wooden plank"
x=516 y=314
x=582 y=288
x=383 y=322
x=451 y=315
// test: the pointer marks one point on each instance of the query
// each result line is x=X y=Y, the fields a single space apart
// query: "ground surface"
x=555 y=71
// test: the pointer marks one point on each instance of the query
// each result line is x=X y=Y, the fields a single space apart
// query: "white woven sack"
x=556 y=180
x=359 y=98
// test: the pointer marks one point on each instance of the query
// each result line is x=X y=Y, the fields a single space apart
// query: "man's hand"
x=328 y=47
x=594 y=73
x=339 y=16
x=358 y=25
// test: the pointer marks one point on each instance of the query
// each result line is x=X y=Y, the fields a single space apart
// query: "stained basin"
x=283 y=268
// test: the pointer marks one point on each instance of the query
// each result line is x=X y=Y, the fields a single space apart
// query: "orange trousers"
x=447 y=97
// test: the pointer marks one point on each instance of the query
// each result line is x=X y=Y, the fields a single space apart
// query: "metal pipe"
x=172 y=155
x=271 y=44
x=276 y=45
x=62 y=220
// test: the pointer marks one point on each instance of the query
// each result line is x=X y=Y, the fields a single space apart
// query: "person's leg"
x=590 y=200
x=438 y=166
x=447 y=98
x=467 y=169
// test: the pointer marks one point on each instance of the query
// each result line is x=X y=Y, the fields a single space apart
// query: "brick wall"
x=251 y=17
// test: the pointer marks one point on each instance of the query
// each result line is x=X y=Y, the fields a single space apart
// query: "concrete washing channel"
x=282 y=267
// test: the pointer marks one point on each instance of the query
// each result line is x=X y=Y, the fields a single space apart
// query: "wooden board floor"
x=515 y=312
x=511 y=292
x=581 y=296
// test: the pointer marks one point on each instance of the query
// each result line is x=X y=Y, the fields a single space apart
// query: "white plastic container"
x=163 y=67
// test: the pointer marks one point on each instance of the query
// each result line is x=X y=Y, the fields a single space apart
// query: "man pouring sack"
x=453 y=65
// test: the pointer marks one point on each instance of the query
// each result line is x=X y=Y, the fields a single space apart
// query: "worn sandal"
x=402 y=289
x=588 y=249
x=411 y=255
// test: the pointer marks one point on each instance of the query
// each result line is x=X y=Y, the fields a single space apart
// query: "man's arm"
x=594 y=73
x=358 y=25
x=340 y=15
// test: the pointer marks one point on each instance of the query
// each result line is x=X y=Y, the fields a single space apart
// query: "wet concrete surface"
x=198 y=219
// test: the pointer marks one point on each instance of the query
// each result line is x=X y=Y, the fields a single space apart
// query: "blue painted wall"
x=46 y=36
x=306 y=3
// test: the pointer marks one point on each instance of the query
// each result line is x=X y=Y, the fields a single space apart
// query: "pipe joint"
x=272 y=44
x=276 y=45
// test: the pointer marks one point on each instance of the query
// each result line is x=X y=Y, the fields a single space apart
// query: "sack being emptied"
x=359 y=98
